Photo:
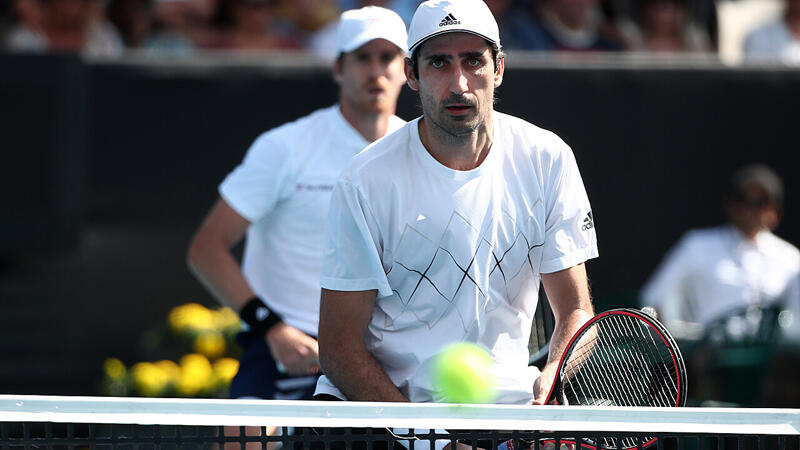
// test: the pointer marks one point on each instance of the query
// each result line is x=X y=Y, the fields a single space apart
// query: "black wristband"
x=260 y=318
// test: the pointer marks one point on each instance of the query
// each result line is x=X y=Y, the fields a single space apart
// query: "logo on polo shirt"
x=449 y=19
x=588 y=222
x=314 y=187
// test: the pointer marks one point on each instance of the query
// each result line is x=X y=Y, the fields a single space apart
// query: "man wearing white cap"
x=442 y=232
x=279 y=197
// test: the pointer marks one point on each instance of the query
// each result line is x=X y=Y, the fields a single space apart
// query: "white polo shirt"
x=283 y=187
x=456 y=255
x=714 y=272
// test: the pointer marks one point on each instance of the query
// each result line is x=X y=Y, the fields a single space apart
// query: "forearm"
x=220 y=273
x=343 y=322
x=359 y=376
x=565 y=328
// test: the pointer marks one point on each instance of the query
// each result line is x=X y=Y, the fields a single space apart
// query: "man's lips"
x=458 y=109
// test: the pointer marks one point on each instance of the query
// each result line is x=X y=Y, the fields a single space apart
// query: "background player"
x=442 y=231
x=279 y=197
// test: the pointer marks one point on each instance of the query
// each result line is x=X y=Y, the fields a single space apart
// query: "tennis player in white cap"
x=278 y=196
x=442 y=231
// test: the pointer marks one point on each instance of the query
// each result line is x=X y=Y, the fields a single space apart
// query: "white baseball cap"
x=359 y=26
x=436 y=17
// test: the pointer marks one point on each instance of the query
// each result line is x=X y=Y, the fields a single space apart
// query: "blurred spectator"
x=202 y=14
x=171 y=28
x=323 y=41
x=27 y=33
x=563 y=25
x=64 y=25
x=252 y=27
x=665 y=26
x=300 y=19
x=133 y=19
x=712 y=273
x=778 y=41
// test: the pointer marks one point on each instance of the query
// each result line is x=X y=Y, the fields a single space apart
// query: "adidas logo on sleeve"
x=588 y=222
x=449 y=19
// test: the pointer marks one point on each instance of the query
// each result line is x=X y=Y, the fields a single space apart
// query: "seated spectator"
x=664 y=26
x=714 y=272
x=778 y=41
x=171 y=28
x=251 y=27
x=66 y=26
x=561 y=25
x=133 y=19
x=27 y=33
x=301 y=19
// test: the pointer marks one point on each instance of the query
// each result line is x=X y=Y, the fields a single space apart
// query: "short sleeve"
x=570 y=237
x=263 y=178
x=352 y=260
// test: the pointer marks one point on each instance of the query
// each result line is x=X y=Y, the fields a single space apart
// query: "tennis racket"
x=621 y=357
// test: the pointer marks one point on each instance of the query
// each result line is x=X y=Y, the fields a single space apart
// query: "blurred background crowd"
x=109 y=28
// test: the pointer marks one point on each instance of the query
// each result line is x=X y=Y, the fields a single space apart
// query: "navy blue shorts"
x=258 y=375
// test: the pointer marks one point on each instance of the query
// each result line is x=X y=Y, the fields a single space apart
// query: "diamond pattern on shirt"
x=433 y=277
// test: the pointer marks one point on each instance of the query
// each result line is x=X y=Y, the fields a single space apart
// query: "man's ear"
x=498 y=74
x=337 y=70
x=411 y=80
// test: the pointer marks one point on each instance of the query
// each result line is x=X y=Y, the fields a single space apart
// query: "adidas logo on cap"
x=449 y=19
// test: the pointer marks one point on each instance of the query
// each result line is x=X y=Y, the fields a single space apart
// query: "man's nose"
x=458 y=83
x=376 y=68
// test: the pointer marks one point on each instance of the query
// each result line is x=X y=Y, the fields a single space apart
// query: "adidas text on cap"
x=359 y=26
x=436 y=17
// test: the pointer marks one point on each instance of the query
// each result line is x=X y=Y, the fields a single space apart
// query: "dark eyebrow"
x=471 y=54
x=437 y=56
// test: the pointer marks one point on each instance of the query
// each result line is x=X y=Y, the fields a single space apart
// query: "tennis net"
x=107 y=423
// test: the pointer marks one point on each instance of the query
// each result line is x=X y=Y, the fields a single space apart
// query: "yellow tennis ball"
x=462 y=374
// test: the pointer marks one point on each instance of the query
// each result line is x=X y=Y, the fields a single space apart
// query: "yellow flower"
x=170 y=369
x=191 y=317
x=227 y=320
x=114 y=368
x=225 y=369
x=210 y=344
x=149 y=379
x=196 y=374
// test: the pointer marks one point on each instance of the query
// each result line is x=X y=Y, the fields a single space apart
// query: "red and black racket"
x=621 y=357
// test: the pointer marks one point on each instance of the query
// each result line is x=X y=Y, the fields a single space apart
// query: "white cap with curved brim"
x=359 y=26
x=436 y=17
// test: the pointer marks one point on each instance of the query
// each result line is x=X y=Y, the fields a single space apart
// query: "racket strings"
x=647 y=361
x=656 y=362
x=664 y=362
x=621 y=361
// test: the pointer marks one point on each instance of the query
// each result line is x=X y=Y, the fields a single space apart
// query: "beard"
x=454 y=126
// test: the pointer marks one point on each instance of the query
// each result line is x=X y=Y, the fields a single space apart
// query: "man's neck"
x=371 y=125
x=458 y=152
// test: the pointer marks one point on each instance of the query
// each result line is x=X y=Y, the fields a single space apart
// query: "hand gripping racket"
x=621 y=357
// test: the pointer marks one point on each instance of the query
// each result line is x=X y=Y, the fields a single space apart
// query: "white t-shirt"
x=717 y=271
x=456 y=255
x=283 y=187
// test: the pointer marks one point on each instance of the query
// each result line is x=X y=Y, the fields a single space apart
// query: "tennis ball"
x=461 y=374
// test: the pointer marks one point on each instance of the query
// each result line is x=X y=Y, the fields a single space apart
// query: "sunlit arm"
x=568 y=293
x=343 y=321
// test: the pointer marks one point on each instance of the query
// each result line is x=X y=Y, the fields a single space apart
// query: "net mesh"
x=110 y=424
